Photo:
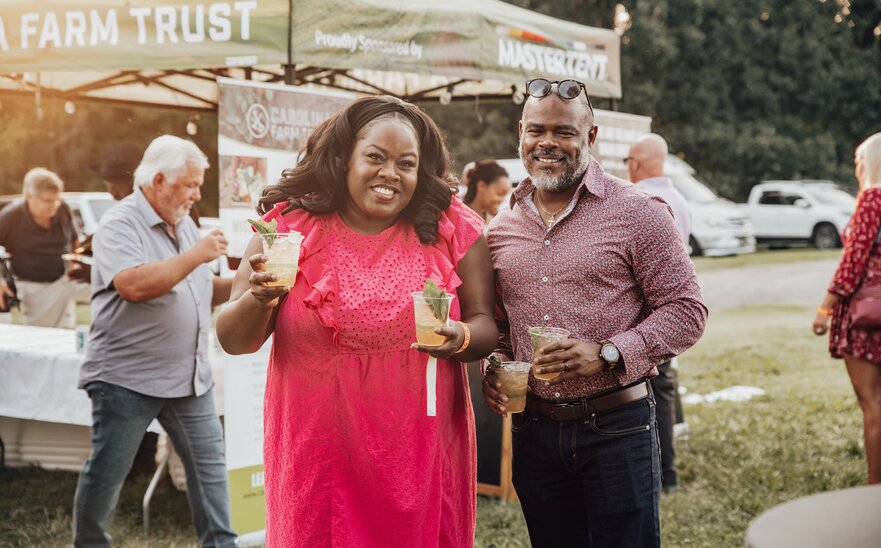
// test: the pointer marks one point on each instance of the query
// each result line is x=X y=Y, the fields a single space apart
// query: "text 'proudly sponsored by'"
x=354 y=43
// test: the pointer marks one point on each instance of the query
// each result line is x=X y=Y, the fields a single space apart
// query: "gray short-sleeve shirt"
x=160 y=347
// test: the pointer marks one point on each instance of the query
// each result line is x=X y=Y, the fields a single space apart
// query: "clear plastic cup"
x=541 y=337
x=283 y=251
x=427 y=320
x=514 y=376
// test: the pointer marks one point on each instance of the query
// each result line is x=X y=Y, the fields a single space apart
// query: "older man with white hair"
x=147 y=357
x=37 y=232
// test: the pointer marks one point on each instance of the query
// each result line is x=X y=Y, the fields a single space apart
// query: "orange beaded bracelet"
x=467 y=340
x=824 y=311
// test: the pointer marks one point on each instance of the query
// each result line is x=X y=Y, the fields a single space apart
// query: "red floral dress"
x=860 y=266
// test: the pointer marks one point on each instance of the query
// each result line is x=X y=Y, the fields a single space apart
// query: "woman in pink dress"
x=369 y=438
x=860 y=267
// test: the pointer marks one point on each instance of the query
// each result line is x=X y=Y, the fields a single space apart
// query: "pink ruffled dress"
x=352 y=453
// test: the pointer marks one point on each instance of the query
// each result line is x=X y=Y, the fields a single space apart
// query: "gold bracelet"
x=467 y=340
x=824 y=311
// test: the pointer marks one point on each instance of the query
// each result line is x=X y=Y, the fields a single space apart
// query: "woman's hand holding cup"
x=267 y=296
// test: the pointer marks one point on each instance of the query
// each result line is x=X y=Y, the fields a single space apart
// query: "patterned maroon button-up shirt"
x=612 y=267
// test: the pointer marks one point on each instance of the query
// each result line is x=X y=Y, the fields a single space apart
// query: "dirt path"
x=798 y=283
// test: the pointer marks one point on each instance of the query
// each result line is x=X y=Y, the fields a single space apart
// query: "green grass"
x=739 y=459
x=765 y=256
x=36 y=505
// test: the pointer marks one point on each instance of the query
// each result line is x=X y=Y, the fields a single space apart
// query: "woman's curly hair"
x=318 y=183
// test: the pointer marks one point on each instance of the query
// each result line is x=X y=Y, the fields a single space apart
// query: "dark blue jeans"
x=119 y=419
x=593 y=482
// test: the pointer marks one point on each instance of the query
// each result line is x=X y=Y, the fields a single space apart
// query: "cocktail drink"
x=541 y=337
x=431 y=313
x=283 y=251
x=514 y=376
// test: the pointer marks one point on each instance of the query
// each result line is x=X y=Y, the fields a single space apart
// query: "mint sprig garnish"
x=436 y=298
x=263 y=227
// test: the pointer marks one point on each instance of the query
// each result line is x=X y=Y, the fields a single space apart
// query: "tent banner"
x=471 y=40
x=457 y=38
x=57 y=35
x=261 y=130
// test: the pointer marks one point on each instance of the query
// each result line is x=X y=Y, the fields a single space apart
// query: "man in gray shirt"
x=147 y=357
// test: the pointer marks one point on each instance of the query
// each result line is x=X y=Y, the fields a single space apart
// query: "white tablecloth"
x=38 y=376
x=39 y=368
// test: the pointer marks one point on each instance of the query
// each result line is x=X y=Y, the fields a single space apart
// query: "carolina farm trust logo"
x=258 y=121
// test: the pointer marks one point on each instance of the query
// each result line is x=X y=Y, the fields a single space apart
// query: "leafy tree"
x=70 y=144
x=749 y=90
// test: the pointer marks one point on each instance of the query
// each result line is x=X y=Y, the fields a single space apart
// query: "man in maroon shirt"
x=587 y=252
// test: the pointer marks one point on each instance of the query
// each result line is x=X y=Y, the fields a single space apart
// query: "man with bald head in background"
x=645 y=167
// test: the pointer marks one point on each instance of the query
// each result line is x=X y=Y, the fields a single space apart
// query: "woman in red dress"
x=860 y=267
x=369 y=438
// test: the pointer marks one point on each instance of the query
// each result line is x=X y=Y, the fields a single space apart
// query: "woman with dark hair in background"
x=488 y=186
x=860 y=267
x=363 y=445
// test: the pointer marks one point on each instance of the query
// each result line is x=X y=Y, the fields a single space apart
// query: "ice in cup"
x=427 y=310
x=283 y=251
x=541 y=337
x=514 y=376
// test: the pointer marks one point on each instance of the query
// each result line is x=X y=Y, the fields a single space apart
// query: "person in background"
x=860 y=267
x=488 y=185
x=147 y=356
x=117 y=169
x=36 y=233
x=370 y=437
x=645 y=168
x=584 y=251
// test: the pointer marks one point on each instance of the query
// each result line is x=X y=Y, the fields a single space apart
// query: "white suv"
x=718 y=227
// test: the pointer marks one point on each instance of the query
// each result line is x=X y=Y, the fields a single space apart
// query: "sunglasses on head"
x=566 y=89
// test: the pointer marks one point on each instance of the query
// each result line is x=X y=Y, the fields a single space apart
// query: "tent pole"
x=289 y=71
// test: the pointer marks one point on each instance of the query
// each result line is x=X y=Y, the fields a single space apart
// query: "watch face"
x=610 y=353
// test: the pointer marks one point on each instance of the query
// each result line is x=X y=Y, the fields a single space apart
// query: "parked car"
x=785 y=212
x=86 y=208
x=718 y=226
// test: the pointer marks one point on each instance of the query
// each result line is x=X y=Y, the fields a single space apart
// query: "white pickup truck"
x=785 y=212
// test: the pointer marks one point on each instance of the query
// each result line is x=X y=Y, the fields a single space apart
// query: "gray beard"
x=569 y=178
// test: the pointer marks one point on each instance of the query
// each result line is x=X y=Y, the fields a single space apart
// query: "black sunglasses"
x=566 y=89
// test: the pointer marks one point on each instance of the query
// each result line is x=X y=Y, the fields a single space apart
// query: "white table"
x=847 y=518
x=44 y=418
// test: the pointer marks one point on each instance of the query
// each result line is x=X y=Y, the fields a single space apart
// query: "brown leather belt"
x=591 y=405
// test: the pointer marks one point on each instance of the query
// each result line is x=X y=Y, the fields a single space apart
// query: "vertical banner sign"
x=262 y=129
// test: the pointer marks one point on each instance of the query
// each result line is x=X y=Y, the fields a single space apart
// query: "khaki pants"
x=51 y=304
